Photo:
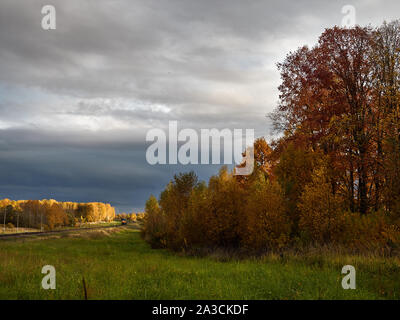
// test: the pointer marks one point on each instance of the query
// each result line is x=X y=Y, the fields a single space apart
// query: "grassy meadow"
x=118 y=264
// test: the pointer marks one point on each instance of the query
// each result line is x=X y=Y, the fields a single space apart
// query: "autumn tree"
x=195 y=220
x=327 y=101
x=154 y=226
x=293 y=172
x=55 y=215
x=263 y=162
x=321 y=210
x=265 y=223
x=226 y=203
x=386 y=59
x=174 y=202
x=332 y=176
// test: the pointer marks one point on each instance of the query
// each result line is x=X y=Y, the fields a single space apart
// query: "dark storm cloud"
x=70 y=169
x=76 y=102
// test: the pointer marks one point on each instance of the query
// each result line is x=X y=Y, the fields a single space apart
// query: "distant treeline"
x=132 y=217
x=51 y=213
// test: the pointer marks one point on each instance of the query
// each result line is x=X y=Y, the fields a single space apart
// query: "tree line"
x=333 y=176
x=49 y=214
x=132 y=216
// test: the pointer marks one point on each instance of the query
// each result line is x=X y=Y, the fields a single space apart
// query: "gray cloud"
x=76 y=102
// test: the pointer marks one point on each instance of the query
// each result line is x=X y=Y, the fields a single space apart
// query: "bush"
x=373 y=232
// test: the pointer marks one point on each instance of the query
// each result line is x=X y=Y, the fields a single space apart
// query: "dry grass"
x=14 y=230
x=84 y=234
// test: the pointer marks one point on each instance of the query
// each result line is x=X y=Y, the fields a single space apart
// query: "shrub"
x=373 y=232
x=10 y=226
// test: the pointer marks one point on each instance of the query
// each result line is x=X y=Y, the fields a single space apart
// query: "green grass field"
x=121 y=265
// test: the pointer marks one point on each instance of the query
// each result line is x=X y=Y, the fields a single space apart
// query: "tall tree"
x=326 y=100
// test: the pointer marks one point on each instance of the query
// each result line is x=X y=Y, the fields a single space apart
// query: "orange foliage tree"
x=333 y=176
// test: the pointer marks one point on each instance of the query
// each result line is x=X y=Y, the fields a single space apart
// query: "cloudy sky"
x=76 y=102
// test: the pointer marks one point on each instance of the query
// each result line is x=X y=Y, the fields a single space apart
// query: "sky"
x=77 y=102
